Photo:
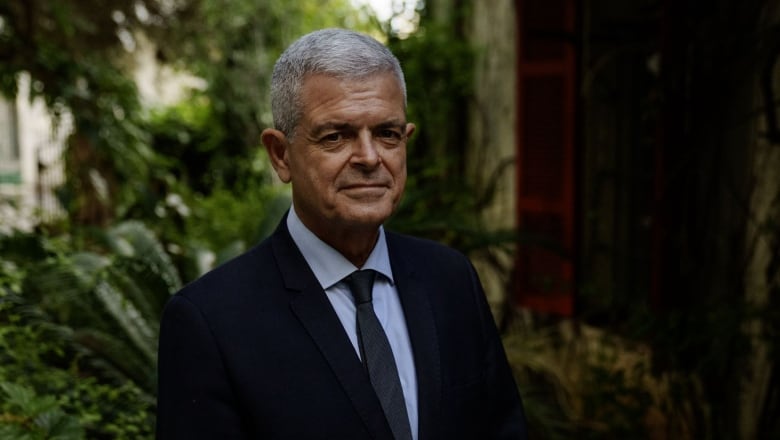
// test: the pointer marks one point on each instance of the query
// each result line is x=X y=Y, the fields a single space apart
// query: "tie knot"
x=361 y=283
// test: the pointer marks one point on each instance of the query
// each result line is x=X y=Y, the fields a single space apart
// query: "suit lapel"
x=420 y=323
x=311 y=306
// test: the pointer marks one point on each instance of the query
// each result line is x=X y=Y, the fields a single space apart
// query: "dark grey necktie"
x=378 y=356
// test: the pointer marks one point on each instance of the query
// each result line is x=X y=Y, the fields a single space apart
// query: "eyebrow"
x=391 y=124
x=318 y=130
x=341 y=126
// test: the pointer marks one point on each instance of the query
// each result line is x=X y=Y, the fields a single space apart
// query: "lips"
x=365 y=191
x=363 y=186
x=366 y=185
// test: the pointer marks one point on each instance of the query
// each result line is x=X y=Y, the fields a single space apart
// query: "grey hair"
x=340 y=53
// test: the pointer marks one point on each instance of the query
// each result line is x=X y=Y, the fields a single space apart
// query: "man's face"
x=347 y=157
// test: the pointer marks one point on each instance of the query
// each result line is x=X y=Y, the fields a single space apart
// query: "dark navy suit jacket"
x=254 y=350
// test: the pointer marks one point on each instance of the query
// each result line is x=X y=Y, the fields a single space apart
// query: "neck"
x=354 y=246
x=355 y=243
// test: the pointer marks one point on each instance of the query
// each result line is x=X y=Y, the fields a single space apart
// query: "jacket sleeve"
x=506 y=406
x=195 y=398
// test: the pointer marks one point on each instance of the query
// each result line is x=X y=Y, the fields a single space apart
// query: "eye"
x=332 y=137
x=390 y=136
x=332 y=140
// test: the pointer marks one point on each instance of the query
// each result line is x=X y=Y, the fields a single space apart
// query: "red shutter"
x=546 y=128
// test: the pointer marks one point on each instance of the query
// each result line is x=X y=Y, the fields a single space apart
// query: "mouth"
x=362 y=191
x=359 y=186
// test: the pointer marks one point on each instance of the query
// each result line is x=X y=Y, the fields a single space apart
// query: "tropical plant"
x=80 y=327
x=34 y=417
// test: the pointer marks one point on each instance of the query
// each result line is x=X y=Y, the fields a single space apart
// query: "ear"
x=410 y=129
x=276 y=144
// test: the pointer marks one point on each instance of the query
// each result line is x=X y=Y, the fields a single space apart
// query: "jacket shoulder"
x=232 y=278
x=420 y=254
x=422 y=246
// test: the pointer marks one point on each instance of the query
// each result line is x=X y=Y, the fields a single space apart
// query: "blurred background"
x=611 y=167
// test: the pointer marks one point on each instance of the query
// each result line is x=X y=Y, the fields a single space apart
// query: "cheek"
x=401 y=182
x=398 y=170
x=400 y=174
x=321 y=182
x=312 y=171
x=396 y=163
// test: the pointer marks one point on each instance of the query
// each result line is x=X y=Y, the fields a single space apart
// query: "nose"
x=364 y=151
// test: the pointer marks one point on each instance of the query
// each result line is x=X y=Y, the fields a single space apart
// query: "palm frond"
x=133 y=239
x=115 y=358
x=138 y=329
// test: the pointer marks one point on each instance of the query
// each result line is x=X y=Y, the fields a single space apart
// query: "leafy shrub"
x=78 y=333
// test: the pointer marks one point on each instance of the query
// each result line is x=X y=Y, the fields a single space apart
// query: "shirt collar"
x=328 y=265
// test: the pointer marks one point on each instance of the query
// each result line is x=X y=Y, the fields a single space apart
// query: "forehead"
x=324 y=95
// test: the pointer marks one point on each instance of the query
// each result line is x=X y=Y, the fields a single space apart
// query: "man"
x=291 y=340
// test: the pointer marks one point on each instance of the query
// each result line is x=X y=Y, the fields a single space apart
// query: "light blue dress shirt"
x=330 y=268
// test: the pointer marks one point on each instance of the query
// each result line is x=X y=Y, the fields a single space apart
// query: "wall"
x=40 y=141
